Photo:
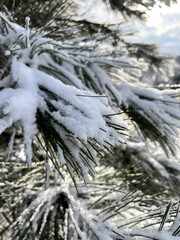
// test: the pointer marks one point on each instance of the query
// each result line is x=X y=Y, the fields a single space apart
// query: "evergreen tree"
x=91 y=153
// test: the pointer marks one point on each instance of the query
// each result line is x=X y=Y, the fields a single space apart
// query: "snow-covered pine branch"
x=69 y=121
x=61 y=95
x=157 y=115
x=100 y=210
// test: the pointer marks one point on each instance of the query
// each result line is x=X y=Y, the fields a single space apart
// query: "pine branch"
x=127 y=7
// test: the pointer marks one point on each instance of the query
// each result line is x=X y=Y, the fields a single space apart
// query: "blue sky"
x=162 y=27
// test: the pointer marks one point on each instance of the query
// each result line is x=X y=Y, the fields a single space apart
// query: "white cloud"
x=162 y=27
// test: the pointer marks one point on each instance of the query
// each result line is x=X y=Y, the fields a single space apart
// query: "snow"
x=159 y=109
x=81 y=106
x=163 y=235
x=46 y=202
x=79 y=114
x=11 y=143
x=77 y=111
x=27 y=20
x=61 y=156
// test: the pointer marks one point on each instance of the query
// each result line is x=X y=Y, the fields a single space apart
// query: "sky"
x=162 y=27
